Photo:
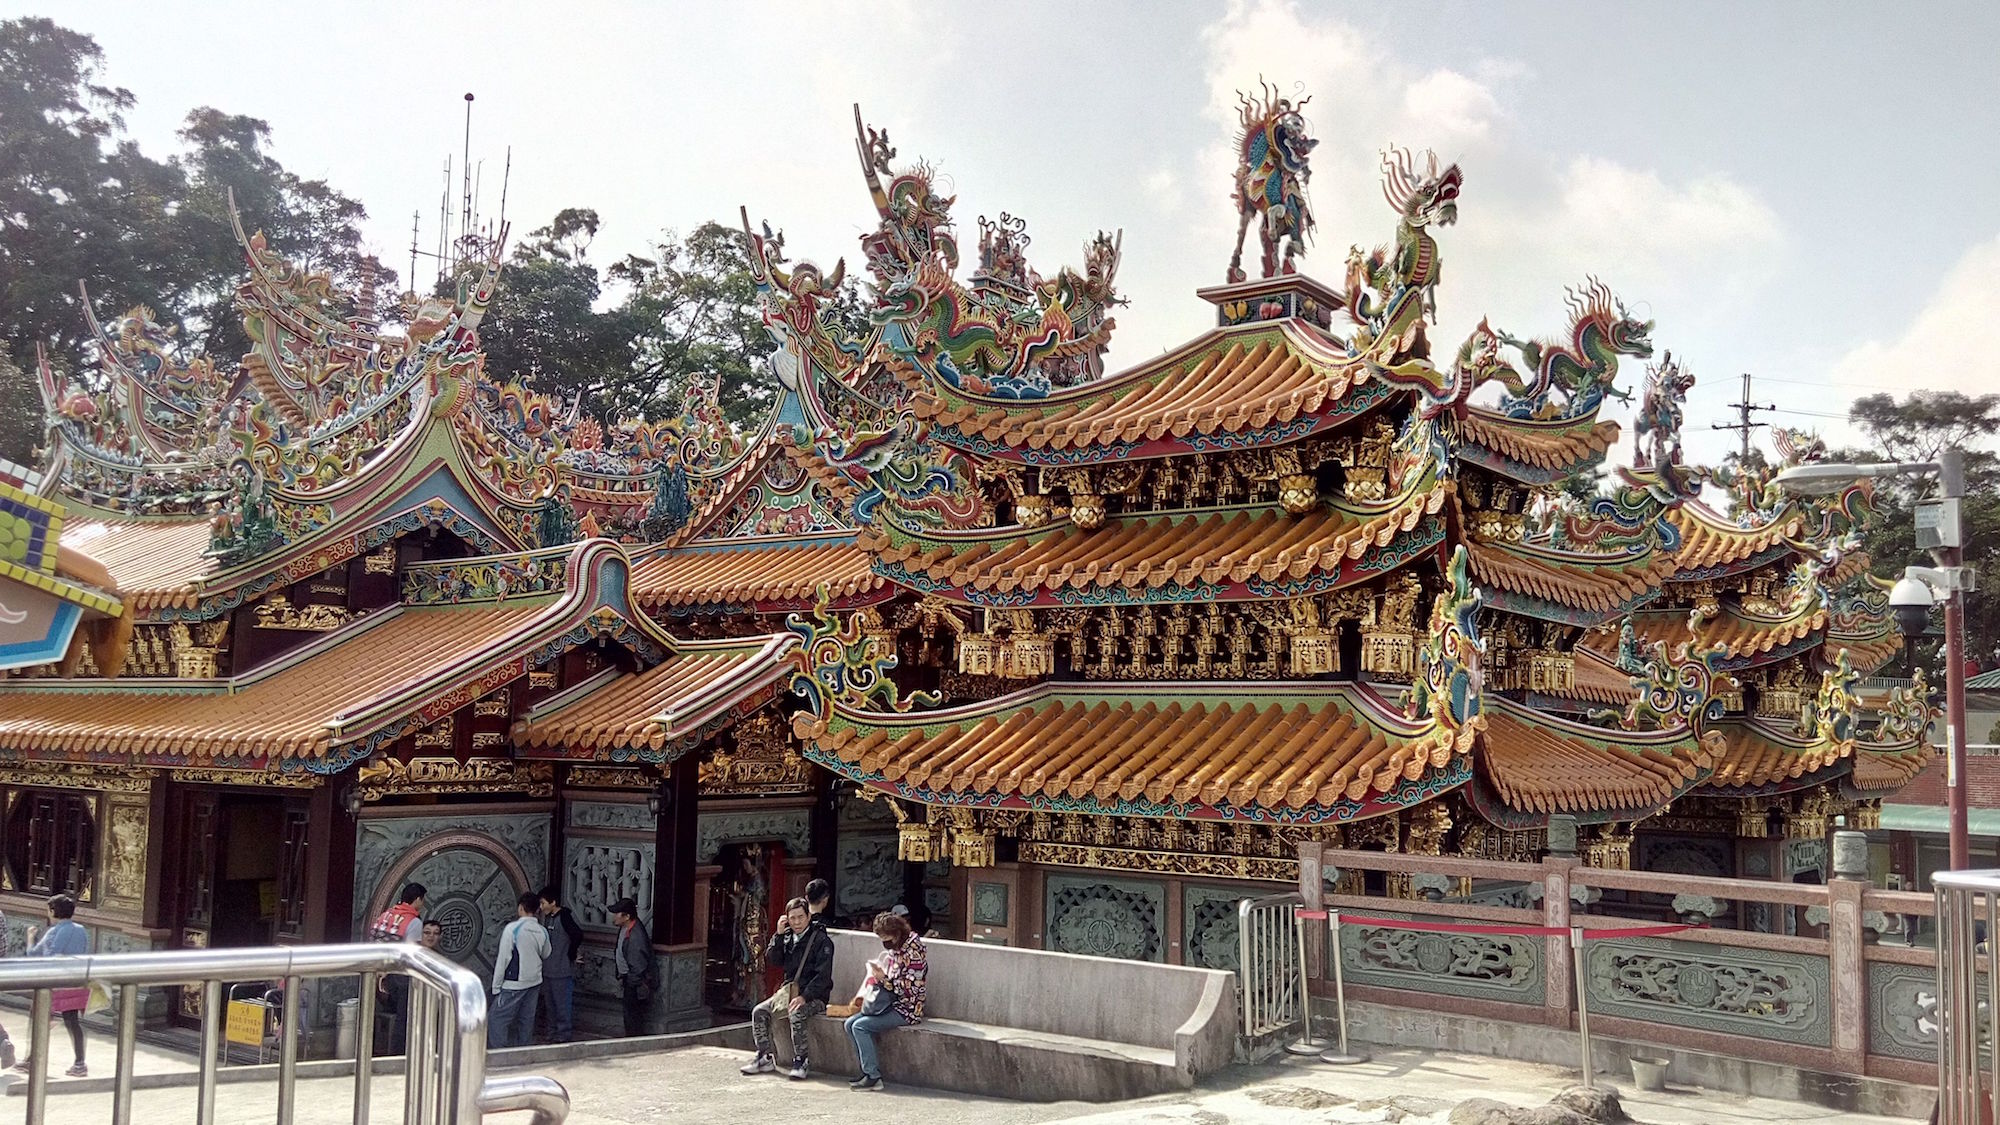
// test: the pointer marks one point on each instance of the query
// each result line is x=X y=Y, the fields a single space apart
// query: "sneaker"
x=798 y=1073
x=6 y=1051
x=867 y=1082
x=25 y=1065
x=762 y=1064
x=77 y=1071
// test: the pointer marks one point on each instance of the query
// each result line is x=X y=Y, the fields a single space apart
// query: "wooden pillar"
x=674 y=876
x=330 y=840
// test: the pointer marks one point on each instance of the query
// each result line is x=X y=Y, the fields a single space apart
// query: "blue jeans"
x=863 y=1030
x=557 y=998
x=512 y=1020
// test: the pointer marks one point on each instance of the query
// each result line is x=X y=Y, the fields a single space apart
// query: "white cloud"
x=1450 y=105
x=1947 y=345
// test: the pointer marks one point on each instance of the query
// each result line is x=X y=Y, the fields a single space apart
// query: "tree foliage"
x=79 y=202
x=1919 y=428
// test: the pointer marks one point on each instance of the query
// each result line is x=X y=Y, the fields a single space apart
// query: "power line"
x=1744 y=408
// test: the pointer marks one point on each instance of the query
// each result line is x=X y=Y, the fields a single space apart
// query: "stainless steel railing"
x=1966 y=900
x=1268 y=965
x=445 y=1069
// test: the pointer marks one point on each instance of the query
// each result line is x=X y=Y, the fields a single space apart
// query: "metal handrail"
x=1966 y=900
x=445 y=1071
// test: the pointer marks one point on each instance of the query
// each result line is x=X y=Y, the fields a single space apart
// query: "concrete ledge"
x=1538 y=1043
x=968 y=1058
x=736 y=1035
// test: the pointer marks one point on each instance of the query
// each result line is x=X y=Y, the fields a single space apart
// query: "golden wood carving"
x=1162 y=863
x=380 y=777
x=278 y=612
x=436 y=736
x=762 y=762
x=125 y=850
x=201 y=776
x=380 y=562
x=76 y=775
x=606 y=777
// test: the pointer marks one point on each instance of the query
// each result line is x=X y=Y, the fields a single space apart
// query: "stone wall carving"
x=989 y=904
x=599 y=872
x=1209 y=927
x=1768 y=995
x=381 y=841
x=472 y=895
x=870 y=877
x=625 y=816
x=1490 y=966
x=792 y=827
x=1106 y=917
x=1903 y=1011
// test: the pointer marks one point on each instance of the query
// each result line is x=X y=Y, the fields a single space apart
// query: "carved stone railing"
x=1835 y=999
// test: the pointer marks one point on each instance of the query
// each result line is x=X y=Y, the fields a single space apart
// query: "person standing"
x=401 y=922
x=66 y=938
x=819 y=900
x=891 y=997
x=799 y=945
x=632 y=958
x=517 y=976
x=559 y=971
x=433 y=935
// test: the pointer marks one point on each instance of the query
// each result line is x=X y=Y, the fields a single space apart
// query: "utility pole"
x=1744 y=408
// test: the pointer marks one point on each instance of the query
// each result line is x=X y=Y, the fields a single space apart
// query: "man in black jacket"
x=559 y=971
x=802 y=946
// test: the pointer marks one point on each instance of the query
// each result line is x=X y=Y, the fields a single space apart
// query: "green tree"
x=1918 y=429
x=20 y=411
x=694 y=307
x=544 y=326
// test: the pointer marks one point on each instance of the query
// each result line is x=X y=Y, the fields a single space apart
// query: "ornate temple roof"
x=667 y=709
x=1882 y=769
x=1539 y=764
x=1216 y=392
x=766 y=574
x=1572 y=588
x=1232 y=553
x=1283 y=752
x=1747 y=639
x=1713 y=545
x=1532 y=451
x=154 y=564
x=387 y=673
x=1764 y=757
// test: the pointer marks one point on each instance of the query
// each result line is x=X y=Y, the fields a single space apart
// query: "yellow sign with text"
x=246 y=1023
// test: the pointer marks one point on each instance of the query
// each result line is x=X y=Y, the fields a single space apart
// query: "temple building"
x=1054 y=657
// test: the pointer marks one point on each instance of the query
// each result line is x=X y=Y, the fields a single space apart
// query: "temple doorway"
x=746 y=896
x=241 y=872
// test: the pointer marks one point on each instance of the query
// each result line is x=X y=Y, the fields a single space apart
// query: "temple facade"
x=1054 y=657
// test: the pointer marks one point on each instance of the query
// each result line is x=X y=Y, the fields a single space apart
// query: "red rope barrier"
x=1495 y=928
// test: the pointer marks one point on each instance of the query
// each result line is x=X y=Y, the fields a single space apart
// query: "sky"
x=1808 y=192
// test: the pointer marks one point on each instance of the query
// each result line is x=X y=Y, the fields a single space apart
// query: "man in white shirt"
x=517 y=976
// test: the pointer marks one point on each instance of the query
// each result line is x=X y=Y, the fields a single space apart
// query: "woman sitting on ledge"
x=892 y=996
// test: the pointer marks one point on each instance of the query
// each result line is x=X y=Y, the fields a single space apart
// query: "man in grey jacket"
x=632 y=957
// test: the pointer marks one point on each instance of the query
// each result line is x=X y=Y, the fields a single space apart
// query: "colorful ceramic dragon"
x=1450 y=684
x=1572 y=379
x=1392 y=291
x=841 y=663
x=1656 y=429
x=1272 y=168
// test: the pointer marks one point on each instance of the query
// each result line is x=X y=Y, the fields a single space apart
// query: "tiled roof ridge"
x=1542 y=763
x=1538 y=444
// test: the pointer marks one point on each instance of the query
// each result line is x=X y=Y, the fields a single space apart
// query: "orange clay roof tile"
x=1313 y=745
x=1740 y=636
x=1597 y=680
x=1547 y=765
x=289 y=714
x=753 y=570
x=1150 y=551
x=1605 y=586
x=1756 y=754
x=1232 y=380
x=1537 y=445
x=153 y=564
x=647 y=710
x=1710 y=539
x=1876 y=771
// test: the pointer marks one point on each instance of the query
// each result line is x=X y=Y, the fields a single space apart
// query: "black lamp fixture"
x=350 y=800
x=659 y=799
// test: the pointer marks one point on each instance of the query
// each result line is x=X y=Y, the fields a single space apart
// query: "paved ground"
x=701 y=1084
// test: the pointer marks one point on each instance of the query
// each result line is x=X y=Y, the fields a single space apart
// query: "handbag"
x=100 y=998
x=876 y=1000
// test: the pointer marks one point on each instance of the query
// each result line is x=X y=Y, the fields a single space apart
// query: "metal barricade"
x=445 y=1064
x=1268 y=965
x=1967 y=902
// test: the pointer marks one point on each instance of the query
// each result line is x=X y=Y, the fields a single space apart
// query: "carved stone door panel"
x=472 y=894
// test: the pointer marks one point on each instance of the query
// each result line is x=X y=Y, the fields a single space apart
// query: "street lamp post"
x=1951 y=578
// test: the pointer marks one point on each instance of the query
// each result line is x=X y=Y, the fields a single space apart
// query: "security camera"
x=1911 y=599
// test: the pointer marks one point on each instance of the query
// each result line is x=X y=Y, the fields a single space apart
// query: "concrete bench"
x=1035 y=1026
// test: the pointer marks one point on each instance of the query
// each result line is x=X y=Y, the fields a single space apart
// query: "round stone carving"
x=461 y=923
x=1696 y=986
x=472 y=893
x=1433 y=954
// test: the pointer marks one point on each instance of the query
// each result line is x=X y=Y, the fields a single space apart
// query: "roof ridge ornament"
x=1272 y=169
